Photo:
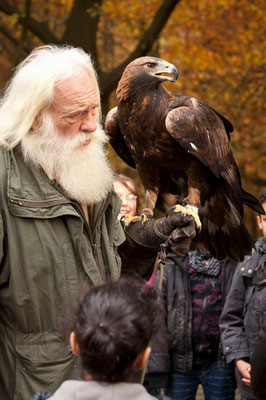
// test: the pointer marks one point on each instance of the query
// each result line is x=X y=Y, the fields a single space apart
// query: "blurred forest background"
x=218 y=47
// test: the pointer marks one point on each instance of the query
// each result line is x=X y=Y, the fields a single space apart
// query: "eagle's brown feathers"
x=181 y=146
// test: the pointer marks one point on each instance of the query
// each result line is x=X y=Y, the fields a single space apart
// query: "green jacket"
x=47 y=252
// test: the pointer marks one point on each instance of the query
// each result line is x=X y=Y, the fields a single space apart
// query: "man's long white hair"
x=82 y=171
x=30 y=91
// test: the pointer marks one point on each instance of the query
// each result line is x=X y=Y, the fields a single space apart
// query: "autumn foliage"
x=217 y=46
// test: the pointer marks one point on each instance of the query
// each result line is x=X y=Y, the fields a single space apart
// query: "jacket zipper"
x=187 y=335
x=202 y=322
x=90 y=237
x=39 y=204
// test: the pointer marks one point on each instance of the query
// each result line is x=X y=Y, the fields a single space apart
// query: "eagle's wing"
x=117 y=140
x=201 y=131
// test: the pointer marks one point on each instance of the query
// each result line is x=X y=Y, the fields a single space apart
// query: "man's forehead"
x=76 y=89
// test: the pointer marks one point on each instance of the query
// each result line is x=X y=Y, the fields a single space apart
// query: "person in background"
x=111 y=332
x=127 y=191
x=193 y=293
x=245 y=310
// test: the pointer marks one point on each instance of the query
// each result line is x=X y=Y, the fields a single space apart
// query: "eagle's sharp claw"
x=188 y=210
x=128 y=219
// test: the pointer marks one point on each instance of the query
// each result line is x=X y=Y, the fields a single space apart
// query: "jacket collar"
x=31 y=194
x=29 y=191
x=29 y=183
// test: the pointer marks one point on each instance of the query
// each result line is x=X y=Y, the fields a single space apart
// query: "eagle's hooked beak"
x=166 y=72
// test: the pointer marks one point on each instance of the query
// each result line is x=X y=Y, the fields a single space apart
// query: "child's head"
x=127 y=191
x=261 y=219
x=112 y=328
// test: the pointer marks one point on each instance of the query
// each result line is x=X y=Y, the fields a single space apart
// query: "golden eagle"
x=180 y=147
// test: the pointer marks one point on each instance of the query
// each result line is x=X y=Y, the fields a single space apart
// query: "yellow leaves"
x=13 y=18
x=218 y=47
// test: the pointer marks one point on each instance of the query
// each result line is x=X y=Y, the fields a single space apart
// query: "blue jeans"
x=217 y=380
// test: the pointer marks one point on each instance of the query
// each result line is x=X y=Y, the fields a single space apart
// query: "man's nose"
x=88 y=124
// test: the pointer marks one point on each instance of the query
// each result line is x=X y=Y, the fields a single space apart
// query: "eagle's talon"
x=188 y=210
x=170 y=211
x=128 y=219
x=144 y=218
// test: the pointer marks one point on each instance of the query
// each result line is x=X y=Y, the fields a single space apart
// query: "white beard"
x=83 y=172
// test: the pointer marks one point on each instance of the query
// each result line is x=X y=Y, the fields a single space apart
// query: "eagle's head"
x=145 y=72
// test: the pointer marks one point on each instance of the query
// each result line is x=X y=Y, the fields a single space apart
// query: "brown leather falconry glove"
x=177 y=230
x=143 y=242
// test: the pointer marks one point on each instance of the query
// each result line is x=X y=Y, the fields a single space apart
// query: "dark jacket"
x=244 y=311
x=176 y=301
x=258 y=366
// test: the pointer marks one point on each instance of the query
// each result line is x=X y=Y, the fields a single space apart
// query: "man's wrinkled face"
x=75 y=107
x=261 y=219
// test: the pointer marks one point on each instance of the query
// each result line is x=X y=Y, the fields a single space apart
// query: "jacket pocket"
x=42 y=367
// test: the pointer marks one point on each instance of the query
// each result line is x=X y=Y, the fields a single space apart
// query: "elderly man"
x=58 y=223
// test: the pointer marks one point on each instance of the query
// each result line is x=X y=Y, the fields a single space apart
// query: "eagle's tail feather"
x=234 y=245
x=252 y=202
x=226 y=237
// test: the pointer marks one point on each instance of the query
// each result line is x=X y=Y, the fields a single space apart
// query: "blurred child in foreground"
x=111 y=331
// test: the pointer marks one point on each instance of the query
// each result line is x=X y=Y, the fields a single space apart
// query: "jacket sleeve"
x=138 y=252
x=159 y=365
x=144 y=240
x=232 y=320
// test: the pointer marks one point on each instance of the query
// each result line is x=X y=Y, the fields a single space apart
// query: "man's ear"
x=142 y=358
x=74 y=344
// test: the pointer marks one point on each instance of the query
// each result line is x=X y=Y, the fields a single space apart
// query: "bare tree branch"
x=25 y=18
x=82 y=25
x=110 y=80
x=81 y=30
x=40 y=29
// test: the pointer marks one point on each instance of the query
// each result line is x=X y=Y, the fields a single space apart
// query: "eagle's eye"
x=151 y=65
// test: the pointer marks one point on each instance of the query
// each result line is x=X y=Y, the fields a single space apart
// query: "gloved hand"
x=176 y=231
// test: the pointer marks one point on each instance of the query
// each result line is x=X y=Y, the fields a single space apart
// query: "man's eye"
x=71 y=118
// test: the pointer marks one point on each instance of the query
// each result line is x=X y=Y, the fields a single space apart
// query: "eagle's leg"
x=191 y=208
x=193 y=205
x=150 y=201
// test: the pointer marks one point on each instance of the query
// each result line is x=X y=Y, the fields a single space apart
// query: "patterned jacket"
x=177 y=303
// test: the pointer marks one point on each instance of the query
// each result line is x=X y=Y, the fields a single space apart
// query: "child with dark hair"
x=111 y=332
